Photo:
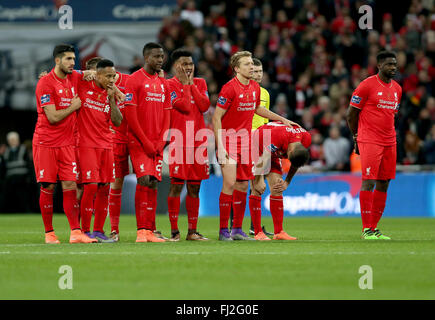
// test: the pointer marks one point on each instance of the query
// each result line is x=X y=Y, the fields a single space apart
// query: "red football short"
x=96 y=165
x=120 y=153
x=377 y=162
x=142 y=164
x=190 y=164
x=54 y=163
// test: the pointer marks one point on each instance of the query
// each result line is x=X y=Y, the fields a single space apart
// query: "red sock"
x=277 y=212
x=46 y=205
x=225 y=203
x=150 y=216
x=255 y=210
x=173 y=211
x=101 y=204
x=365 y=202
x=378 y=206
x=239 y=207
x=87 y=205
x=115 y=196
x=192 y=207
x=71 y=208
x=140 y=200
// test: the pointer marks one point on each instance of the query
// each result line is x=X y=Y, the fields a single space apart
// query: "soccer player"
x=190 y=100
x=238 y=100
x=370 y=117
x=95 y=145
x=54 y=142
x=147 y=110
x=275 y=141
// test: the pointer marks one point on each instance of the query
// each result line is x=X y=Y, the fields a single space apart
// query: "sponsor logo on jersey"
x=222 y=100
x=355 y=99
x=45 y=98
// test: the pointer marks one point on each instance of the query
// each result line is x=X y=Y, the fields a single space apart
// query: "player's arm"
x=115 y=113
x=201 y=99
x=272 y=116
x=181 y=103
x=217 y=128
x=164 y=133
x=54 y=116
x=352 y=117
x=131 y=117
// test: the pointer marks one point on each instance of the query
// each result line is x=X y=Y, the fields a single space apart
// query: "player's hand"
x=355 y=146
x=76 y=103
x=181 y=75
x=280 y=186
x=110 y=91
x=111 y=130
x=260 y=186
x=290 y=123
x=89 y=75
x=189 y=77
x=161 y=73
x=222 y=155
x=42 y=74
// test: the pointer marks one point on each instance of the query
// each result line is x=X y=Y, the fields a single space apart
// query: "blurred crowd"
x=314 y=55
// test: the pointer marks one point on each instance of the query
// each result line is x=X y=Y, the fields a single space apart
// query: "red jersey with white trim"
x=276 y=136
x=51 y=90
x=195 y=117
x=240 y=101
x=94 y=116
x=149 y=93
x=121 y=132
x=378 y=102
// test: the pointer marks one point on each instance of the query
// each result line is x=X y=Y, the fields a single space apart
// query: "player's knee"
x=368 y=185
x=175 y=190
x=69 y=185
x=48 y=186
x=242 y=185
x=382 y=185
x=193 y=190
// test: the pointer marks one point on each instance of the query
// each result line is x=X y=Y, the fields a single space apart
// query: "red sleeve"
x=76 y=76
x=180 y=100
x=200 y=95
x=360 y=95
x=44 y=94
x=226 y=97
x=131 y=117
x=258 y=103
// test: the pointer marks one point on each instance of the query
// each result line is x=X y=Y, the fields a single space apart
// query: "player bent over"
x=188 y=156
x=275 y=141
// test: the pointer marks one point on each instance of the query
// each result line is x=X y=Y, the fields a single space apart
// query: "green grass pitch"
x=323 y=264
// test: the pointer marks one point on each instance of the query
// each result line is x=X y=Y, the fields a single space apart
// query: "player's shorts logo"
x=356 y=99
x=45 y=98
x=41 y=173
x=88 y=174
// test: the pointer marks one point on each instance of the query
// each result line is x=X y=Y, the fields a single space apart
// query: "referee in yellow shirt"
x=258 y=121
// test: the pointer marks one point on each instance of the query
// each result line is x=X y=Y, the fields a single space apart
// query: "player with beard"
x=54 y=142
x=371 y=117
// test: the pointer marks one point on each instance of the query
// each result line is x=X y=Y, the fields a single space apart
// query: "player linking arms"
x=275 y=141
x=54 y=142
x=370 y=117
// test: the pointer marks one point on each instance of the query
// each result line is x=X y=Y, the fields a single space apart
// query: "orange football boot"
x=51 y=238
x=283 y=236
x=77 y=236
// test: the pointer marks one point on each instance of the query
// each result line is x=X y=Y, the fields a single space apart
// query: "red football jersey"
x=278 y=137
x=53 y=90
x=149 y=93
x=120 y=135
x=240 y=101
x=378 y=102
x=94 y=116
x=187 y=124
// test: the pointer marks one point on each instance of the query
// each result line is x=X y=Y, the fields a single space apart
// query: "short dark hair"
x=149 y=46
x=103 y=63
x=257 y=62
x=178 y=53
x=92 y=63
x=384 y=55
x=299 y=156
x=60 y=49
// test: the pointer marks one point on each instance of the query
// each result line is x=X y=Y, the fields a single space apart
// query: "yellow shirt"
x=258 y=121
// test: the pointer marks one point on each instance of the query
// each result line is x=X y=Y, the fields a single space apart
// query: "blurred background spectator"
x=17 y=169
